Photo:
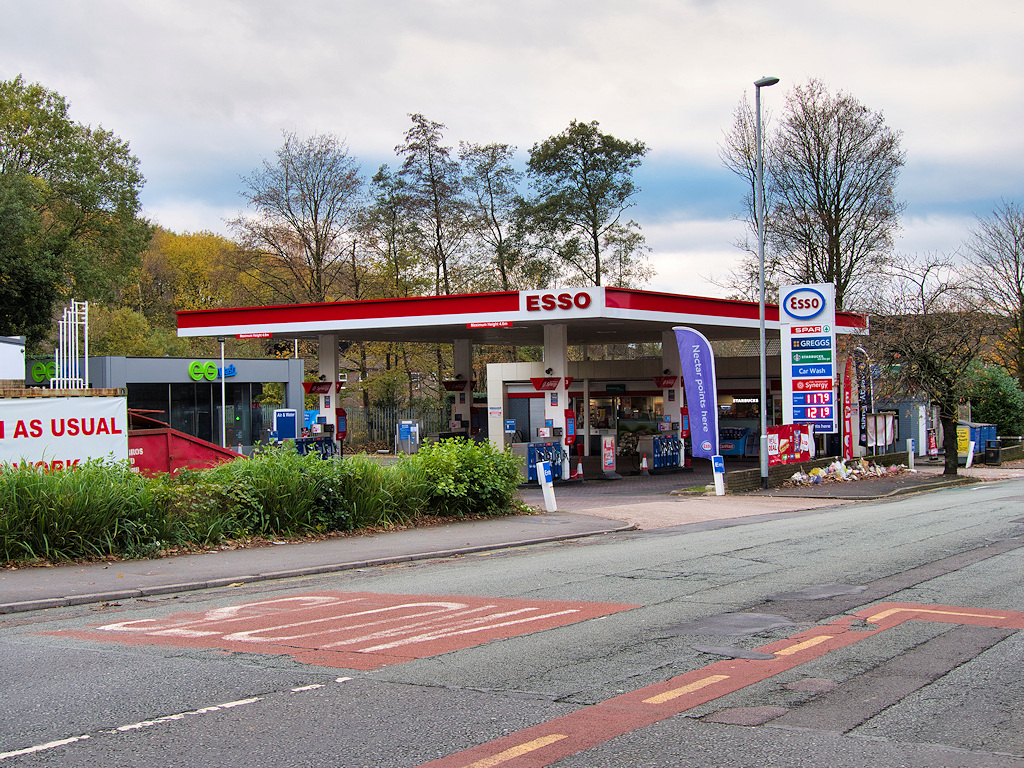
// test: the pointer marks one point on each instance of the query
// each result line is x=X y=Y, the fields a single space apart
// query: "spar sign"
x=62 y=432
x=807 y=318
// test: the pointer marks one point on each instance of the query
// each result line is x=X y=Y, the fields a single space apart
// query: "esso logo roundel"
x=706 y=445
x=804 y=303
x=548 y=302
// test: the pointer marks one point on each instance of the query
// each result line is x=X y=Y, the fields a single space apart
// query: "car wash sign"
x=62 y=432
x=807 y=318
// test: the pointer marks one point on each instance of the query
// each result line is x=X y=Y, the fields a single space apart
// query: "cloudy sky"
x=202 y=89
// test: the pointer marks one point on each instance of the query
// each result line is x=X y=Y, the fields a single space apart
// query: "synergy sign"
x=807 y=317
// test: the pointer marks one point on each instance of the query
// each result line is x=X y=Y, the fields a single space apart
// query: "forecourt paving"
x=591 y=509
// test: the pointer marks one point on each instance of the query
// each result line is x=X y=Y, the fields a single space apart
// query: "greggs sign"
x=564 y=302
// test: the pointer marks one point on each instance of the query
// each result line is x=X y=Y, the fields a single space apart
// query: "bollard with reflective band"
x=544 y=477
x=718 y=466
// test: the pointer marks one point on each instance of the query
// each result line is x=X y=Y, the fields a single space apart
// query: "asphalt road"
x=885 y=633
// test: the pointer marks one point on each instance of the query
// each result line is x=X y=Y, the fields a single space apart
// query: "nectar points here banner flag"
x=698 y=370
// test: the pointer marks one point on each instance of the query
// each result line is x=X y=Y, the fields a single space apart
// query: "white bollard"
x=718 y=467
x=910 y=454
x=545 y=479
x=970 y=454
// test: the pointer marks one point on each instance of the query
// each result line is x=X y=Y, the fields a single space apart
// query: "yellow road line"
x=885 y=614
x=675 y=693
x=522 y=749
x=805 y=644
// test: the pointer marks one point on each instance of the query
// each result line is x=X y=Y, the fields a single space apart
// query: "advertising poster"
x=788 y=444
x=63 y=432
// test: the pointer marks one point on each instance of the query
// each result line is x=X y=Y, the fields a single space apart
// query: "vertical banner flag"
x=807 y=320
x=698 y=370
x=848 y=411
x=864 y=404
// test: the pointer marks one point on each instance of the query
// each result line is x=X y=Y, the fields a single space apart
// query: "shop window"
x=150 y=397
x=738 y=407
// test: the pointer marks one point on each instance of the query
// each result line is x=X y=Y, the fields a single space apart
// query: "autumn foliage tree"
x=928 y=329
x=304 y=205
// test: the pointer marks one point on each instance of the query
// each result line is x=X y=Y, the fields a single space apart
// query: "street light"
x=764 y=82
x=223 y=398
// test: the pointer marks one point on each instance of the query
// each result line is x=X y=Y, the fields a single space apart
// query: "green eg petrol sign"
x=198 y=370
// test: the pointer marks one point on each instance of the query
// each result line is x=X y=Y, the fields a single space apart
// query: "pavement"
x=591 y=508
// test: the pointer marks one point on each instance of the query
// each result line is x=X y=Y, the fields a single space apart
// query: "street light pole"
x=223 y=398
x=764 y=82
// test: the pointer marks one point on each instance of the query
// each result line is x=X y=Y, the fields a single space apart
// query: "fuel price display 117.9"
x=812 y=398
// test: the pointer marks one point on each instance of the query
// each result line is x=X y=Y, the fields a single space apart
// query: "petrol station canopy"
x=592 y=316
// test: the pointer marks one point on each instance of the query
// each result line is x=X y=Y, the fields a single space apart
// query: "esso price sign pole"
x=807 y=320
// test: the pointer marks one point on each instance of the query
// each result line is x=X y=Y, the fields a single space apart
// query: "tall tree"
x=388 y=231
x=831 y=167
x=996 y=246
x=73 y=193
x=304 y=205
x=492 y=186
x=30 y=273
x=582 y=184
x=927 y=330
x=434 y=180
x=194 y=270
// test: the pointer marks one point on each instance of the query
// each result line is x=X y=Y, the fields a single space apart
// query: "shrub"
x=996 y=398
x=464 y=478
x=99 y=508
x=103 y=508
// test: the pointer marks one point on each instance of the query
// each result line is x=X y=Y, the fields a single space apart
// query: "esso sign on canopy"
x=804 y=303
x=547 y=302
x=559 y=301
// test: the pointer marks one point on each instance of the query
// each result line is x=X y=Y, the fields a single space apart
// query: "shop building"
x=186 y=392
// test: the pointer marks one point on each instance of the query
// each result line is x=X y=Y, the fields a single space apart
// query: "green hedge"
x=102 y=509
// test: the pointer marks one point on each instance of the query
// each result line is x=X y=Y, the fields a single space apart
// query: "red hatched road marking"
x=356 y=630
x=549 y=742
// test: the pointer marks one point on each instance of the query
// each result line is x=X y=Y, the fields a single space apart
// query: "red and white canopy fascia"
x=592 y=316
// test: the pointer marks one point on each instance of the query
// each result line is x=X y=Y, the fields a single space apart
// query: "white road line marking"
x=181 y=715
x=41 y=747
x=156 y=721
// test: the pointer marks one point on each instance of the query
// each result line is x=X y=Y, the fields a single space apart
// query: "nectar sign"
x=63 y=432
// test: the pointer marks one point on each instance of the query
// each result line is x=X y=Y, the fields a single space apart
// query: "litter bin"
x=993 y=453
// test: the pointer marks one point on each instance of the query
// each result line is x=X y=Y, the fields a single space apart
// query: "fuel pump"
x=684 y=437
x=341 y=432
x=570 y=439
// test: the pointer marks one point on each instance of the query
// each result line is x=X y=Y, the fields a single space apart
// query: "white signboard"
x=61 y=432
x=807 y=318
